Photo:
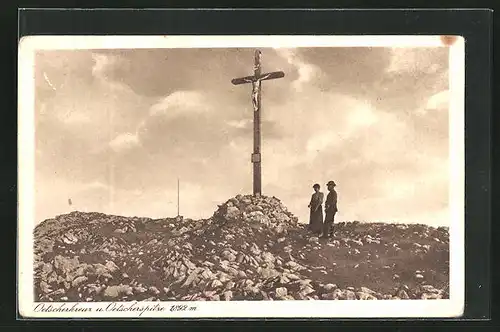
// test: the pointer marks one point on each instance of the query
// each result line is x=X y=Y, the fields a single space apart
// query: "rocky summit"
x=252 y=248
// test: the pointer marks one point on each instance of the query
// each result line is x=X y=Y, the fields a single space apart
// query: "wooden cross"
x=256 y=80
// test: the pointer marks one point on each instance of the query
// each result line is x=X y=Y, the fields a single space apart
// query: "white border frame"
x=452 y=307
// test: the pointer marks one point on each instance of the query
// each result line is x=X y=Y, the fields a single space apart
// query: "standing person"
x=330 y=210
x=316 y=215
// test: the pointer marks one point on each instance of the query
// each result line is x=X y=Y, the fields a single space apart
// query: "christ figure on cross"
x=256 y=80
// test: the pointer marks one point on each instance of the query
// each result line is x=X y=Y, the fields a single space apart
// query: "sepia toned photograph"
x=243 y=176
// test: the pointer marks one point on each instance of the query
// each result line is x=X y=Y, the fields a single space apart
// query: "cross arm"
x=243 y=80
x=267 y=76
x=272 y=76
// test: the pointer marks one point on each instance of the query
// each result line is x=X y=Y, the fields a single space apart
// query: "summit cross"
x=256 y=80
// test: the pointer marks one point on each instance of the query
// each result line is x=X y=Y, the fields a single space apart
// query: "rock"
x=216 y=283
x=367 y=291
x=232 y=212
x=152 y=242
x=69 y=238
x=329 y=287
x=115 y=291
x=430 y=296
x=228 y=295
x=268 y=257
x=403 y=295
x=154 y=290
x=268 y=273
x=281 y=292
x=111 y=266
x=45 y=287
x=329 y=296
x=47 y=268
x=350 y=295
x=78 y=281
x=306 y=290
x=140 y=289
x=65 y=264
x=229 y=256
x=429 y=289
x=365 y=296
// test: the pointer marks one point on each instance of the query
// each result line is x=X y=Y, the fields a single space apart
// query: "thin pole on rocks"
x=178 y=199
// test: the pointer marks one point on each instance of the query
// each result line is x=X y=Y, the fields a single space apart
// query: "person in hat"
x=330 y=209
x=316 y=210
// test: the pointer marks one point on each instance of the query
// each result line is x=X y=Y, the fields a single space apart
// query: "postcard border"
x=483 y=182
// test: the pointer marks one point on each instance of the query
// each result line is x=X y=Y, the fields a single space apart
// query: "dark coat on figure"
x=316 y=213
x=330 y=210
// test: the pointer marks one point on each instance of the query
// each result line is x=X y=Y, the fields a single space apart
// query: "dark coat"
x=331 y=202
x=316 y=213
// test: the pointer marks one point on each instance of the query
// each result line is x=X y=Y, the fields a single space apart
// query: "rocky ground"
x=250 y=249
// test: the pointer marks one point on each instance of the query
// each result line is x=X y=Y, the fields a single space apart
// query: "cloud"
x=240 y=124
x=306 y=71
x=439 y=100
x=415 y=60
x=104 y=64
x=94 y=185
x=180 y=102
x=351 y=71
x=156 y=115
x=124 y=141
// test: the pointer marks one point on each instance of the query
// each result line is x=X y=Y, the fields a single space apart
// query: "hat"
x=331 y=183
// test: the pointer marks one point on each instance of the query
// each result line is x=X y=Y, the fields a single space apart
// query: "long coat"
x=316 y=212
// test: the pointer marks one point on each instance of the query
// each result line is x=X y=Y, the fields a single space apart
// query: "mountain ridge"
x=252 y=248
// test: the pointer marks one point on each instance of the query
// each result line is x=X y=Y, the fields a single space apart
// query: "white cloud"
x=179 y=102
x=105 y=63
x=358 y=116
x=362 y=116
x=321 y=141
x=240 y=124
x=124 y=141
x=94 y=185
x=306 y=71
x=439 y=101
x=102 y=63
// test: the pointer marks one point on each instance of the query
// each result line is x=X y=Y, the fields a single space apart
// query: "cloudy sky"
x=116 y=128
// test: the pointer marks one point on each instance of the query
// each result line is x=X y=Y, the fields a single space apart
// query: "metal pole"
x=178 y=200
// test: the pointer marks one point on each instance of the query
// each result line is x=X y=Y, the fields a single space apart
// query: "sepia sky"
x=115 y=129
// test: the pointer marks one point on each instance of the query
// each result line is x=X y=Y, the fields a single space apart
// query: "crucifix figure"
x=256 y=80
